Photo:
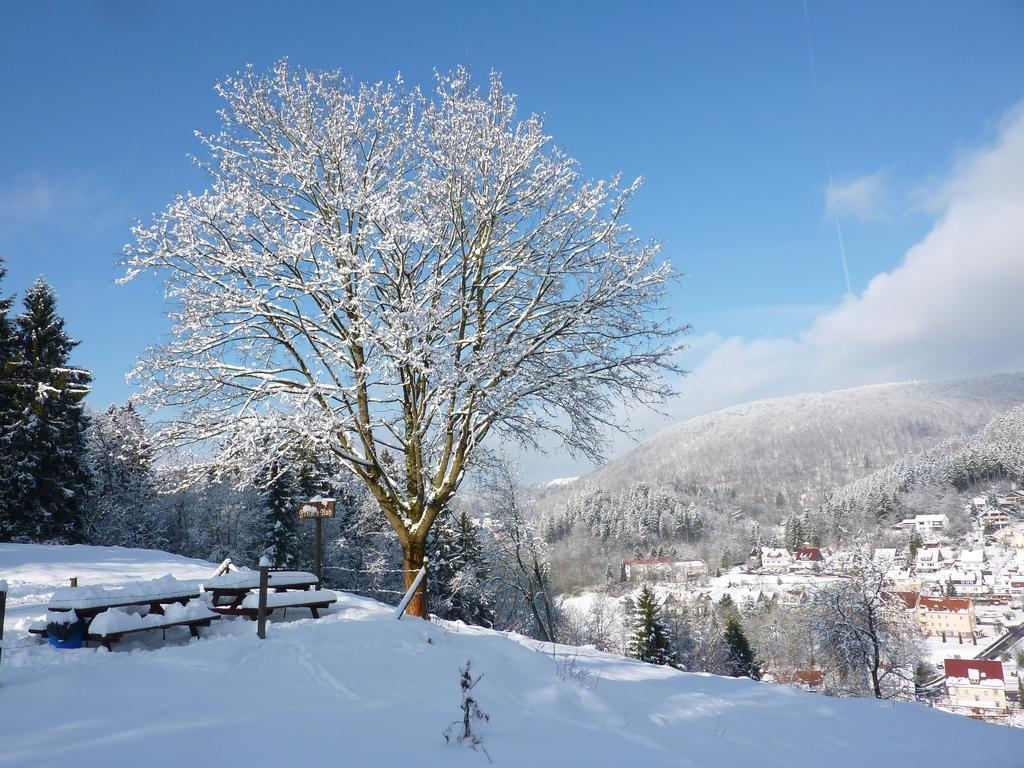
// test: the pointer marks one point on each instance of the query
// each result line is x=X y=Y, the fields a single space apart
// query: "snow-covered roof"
x=944 y=604
x=810 y=554
x=974 y=672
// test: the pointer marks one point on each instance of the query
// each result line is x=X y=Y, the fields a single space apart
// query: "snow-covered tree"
x=10 y=355
x=460 y=588
x=280 y=542
x=517 y=557
x=48 y=479
x=374 y=267
x=864 y=634
x=739 y=655
x=123 y=508
x=648 y=637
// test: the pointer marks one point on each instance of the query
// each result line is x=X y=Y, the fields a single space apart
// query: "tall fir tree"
x=49 y=480
x=280 y=541
x=10 y=357
x=649 y=639
x=123 y=507
x=459 y=573
x=741 y=659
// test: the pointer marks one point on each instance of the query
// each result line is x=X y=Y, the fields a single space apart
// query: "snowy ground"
x=358 y=687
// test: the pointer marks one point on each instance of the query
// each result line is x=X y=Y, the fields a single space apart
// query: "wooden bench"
x=231 y=592
x=107 y=640
x=193 y=627
x=315 y=600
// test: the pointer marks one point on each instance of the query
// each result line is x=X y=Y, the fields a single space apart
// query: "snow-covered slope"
x=359 y=688
x=810 y=443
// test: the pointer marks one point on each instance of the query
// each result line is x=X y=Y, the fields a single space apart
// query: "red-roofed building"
x=809 y=679
x=946 y=616
x=808 y=558
x=909 y=599
x=975 y=683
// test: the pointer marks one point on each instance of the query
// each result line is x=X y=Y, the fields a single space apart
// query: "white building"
x=776 y=559
x=975 y=683
x=926 y=524
x=667 y=569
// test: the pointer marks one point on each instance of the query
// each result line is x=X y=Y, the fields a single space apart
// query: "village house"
x=775 y=559
x=667 y=569
x=1011 y=538
x=812 y=680
x=975 y=683
x=1016 y=586
x=993 y=517
x=807 y=559
x=972 y=560
x=947 y=616
x=928 y=560
x=926 y=525
x=968 y=583
x=1011 y=502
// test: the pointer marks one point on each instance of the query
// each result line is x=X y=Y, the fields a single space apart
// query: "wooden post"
x=319 y=547
x=3 y=607
x=261 y=613
x=74 y=581
x=316 y=509
x=411 y=591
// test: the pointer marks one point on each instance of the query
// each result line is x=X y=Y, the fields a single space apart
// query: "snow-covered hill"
x=359 y=688
x=812 y=443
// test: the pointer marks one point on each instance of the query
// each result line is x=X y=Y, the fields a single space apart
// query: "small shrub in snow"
x=462 y=730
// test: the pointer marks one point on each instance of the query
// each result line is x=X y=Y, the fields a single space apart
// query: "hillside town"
x=964 y=594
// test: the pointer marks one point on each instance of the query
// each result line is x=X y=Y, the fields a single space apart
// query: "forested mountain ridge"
x=827 y=464
x=795 y=451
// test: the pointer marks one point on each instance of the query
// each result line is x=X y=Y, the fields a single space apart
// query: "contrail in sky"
x=828 y=158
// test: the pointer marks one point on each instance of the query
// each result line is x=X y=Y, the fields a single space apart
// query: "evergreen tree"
x=459 y=573
x=740 y=655
x=48 y=480
x=649 y=639
x=914 y=543
x=280 y=541
x=123 y=508
x=10 y=357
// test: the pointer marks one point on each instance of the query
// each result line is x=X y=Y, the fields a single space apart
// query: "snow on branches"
x=390 y=276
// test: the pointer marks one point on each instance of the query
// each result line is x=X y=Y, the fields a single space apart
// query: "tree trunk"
x=412 y=560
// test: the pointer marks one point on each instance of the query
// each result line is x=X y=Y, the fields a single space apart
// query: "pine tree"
x=740 y=655
x=459 y=573
x=280 y=540
x=914 y=543
x=123 y=509
x=649 y=640
x=49 y=479
x=10 y=356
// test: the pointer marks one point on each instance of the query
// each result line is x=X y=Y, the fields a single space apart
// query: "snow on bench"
x=135 y=592
x=118 y=621
x=249 y=579
x=319 y=598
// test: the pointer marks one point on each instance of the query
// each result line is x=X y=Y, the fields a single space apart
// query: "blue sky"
x=713 y=103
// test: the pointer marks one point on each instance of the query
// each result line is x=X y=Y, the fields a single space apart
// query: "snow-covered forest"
x=824 y=464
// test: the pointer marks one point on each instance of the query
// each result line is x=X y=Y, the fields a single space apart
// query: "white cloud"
x=864 y=197
x=953 y=307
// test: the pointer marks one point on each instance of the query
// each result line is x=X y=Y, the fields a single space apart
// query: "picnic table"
x=232 y=593
x=113 y=612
